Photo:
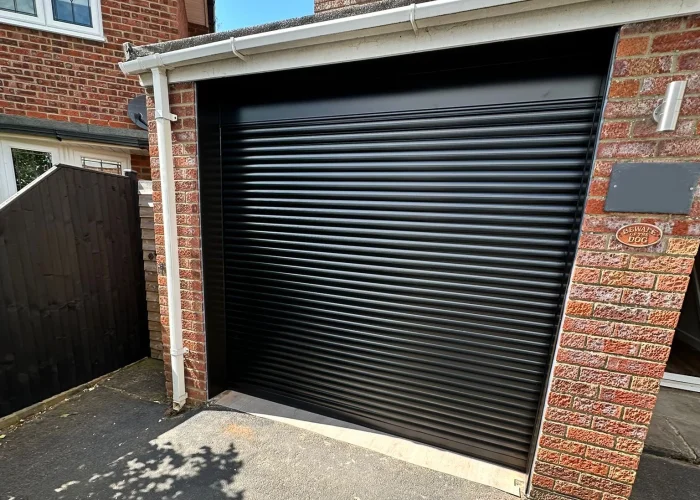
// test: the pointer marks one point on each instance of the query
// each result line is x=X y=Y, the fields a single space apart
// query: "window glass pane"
x=72 y=11
x=29 y=165
x=26 y=7
x=81 y=11
x=113 y=167
x=21 y=6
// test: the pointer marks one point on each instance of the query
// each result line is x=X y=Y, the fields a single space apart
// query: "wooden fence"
x=72 y=291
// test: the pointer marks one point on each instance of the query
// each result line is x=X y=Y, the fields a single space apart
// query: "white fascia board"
x=541 y=21
x=374 y=23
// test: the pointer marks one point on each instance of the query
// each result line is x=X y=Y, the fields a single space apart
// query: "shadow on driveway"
x=161 y=472
x=113 y=441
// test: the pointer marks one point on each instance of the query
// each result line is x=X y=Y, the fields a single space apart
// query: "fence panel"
x=72 y=291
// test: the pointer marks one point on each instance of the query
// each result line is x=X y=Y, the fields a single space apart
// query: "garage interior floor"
x=684 y=360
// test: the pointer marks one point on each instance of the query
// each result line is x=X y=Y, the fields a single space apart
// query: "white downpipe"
x=172 y=262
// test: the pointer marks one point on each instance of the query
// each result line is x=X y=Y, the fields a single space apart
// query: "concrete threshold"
x=403 y=449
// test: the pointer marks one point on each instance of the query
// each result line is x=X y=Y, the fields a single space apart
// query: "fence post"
x=148 y=241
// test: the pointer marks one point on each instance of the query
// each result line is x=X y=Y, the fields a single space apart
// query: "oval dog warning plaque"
x=639 y=235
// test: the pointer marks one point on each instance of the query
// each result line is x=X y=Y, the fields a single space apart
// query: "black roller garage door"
x=390 y=242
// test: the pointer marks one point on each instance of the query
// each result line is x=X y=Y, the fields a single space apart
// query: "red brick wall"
x=624 y=303
x=59 y=77
x=182 y=27
x=141 y=164
x=197 y=29
x=323 y=5
x=184 y=136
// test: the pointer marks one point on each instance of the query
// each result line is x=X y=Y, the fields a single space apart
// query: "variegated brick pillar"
x=624 y=303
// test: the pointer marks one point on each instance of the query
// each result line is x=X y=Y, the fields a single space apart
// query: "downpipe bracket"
x=180 y=352
x=165 y=116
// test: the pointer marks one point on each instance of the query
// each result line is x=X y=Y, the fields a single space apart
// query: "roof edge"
x=135 y=52
x=74 y=131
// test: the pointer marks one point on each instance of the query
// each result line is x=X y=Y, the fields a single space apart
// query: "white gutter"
x=381 y=22
x=435 y=25
x=172 y=262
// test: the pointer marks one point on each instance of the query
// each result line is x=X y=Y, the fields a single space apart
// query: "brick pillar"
x=184 y=136
x=623 y=303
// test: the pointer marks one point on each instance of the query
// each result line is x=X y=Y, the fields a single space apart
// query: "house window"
x=21 y=6
x=28 y=165
x=72 y=11
x=21 y=163
x=113 y=167
x=81 y=18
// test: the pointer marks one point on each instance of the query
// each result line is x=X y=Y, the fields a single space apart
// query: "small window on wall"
x=21 y=163
x=81 y=18
x=29 y=165
x=113 y=167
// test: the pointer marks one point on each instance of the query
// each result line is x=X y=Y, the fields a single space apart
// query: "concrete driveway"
x=114 y=441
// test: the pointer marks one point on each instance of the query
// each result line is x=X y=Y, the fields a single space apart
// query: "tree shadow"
x=163 y=472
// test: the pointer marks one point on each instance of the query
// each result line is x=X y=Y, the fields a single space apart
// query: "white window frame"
x=8 y=182
x=61 y=152
x=44 y=20
x=79 y=153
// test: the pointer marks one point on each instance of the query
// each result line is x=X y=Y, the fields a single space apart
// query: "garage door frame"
x=210 y=179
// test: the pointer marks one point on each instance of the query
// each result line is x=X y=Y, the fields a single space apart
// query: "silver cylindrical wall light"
x=666 y=115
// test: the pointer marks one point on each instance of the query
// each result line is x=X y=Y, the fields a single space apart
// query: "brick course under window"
x=623 y=303
x=64 y=78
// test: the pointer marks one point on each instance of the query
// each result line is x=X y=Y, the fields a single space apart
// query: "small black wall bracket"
x=652 y=188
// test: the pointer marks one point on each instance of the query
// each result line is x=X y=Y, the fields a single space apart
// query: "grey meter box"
x=657 y=188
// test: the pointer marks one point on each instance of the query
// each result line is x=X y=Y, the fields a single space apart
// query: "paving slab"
x=145 y=380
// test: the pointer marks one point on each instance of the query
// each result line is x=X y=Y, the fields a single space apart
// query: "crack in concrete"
x=132 y=395
x=682 y=439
